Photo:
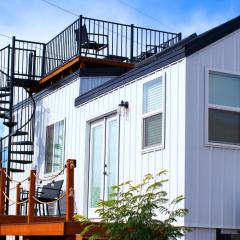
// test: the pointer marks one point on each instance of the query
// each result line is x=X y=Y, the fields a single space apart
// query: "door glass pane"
x=112 y=155
x=96 y=165
x=224 y=89
x=152 y=130
x=224 y=126
x=152 y=95
x=49 y=148
x=58 y=146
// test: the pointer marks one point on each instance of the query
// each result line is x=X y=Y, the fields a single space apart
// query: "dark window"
x=224 y=126
x=224 y=108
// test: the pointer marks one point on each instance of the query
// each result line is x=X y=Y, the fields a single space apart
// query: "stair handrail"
x=32 y=116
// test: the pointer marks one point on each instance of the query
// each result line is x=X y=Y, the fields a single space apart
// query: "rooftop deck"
x=87 y=40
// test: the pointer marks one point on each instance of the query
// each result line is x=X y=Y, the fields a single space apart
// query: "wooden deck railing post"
x=18 y=191
x=3 y=190
x=70 y=165
x=31 y=194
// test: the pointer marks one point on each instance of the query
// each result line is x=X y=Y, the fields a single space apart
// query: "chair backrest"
x=51 y=190
x=84 y=35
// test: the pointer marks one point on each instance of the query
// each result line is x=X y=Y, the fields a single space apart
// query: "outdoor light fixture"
x=122 y=107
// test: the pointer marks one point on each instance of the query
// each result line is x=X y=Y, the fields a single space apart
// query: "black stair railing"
x=20 y=68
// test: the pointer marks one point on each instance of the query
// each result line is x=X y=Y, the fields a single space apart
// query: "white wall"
x=212 y=173
x=133 y=162
x=201 y=234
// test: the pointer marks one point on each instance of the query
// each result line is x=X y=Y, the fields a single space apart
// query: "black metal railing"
x=28 y=60
x=90 y=38
x=103 y=39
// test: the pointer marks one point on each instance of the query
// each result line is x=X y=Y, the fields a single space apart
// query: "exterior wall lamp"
x=123 y=107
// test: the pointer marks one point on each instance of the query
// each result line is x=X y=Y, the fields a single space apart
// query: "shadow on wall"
x=41 y=120
x=1 y=129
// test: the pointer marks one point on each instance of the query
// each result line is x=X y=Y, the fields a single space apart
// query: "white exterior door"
x=103 y=167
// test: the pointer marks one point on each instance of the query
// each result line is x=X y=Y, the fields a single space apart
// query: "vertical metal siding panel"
x=133 y=164
x=201 y=234
x=210 y=171
x=181 y=130
x=132 y=121
x=138 y=133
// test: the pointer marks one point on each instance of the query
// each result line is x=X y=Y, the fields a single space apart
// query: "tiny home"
x=125 y=101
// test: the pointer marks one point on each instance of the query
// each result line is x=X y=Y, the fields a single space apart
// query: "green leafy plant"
x=133 y=212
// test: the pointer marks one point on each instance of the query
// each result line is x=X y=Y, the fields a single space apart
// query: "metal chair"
x=47 y=193
x=88 y=44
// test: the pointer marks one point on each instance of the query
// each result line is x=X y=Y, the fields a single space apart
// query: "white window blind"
x=153 y=95
x=153 y=105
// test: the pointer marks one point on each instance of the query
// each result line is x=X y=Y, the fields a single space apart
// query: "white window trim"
x=215 y=106
x=49 y=174
x=155 y=112
x=87 y=181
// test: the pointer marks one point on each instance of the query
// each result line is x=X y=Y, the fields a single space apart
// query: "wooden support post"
x=3 y=190
x=18 y=192
x=70 y=165
x=31 y=194
x=82 y=66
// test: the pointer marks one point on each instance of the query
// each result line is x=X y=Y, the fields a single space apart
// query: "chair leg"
x=47 y=209
x=43 y=210
x=59 y=210
x=26 y=208
x=39 y=209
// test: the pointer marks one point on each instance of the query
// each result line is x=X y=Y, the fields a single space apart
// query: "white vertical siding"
x=212 y=173
x=133 y=162
x=201 y=234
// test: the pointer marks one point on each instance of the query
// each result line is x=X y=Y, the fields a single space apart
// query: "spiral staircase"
x=20 y=69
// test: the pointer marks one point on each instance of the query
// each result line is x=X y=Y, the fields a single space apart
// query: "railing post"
x=179 y=36
x=18 y=191
x=12 y=73
x=131 y=44
x=1 y=152
x=31 y=194
x=70 y=165
x=80 y=36
x=43 y=60
x=3 y=188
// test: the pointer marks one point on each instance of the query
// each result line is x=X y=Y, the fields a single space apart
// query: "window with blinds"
x=153 y=106
x=224 y=108
x=54 y=160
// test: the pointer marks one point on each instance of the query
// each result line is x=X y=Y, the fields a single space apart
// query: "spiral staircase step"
x=4 y=109
x=23 y=143
x=19 y=133
x=15 y=170
x=4 y=95
x=21 y=161
x=10 y=124
x=23 y=152
x=4 y=102
x=4 y=116
x=5 y=89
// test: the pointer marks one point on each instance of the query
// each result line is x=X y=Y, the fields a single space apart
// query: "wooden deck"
x=48 y=227
x=40 y=226
x=81 y=62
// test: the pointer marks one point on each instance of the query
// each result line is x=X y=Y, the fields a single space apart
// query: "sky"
x=38 y=21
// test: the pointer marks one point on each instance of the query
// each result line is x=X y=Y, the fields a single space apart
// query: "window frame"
x=208 y=106
x=162 y=110
x=64 y=139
